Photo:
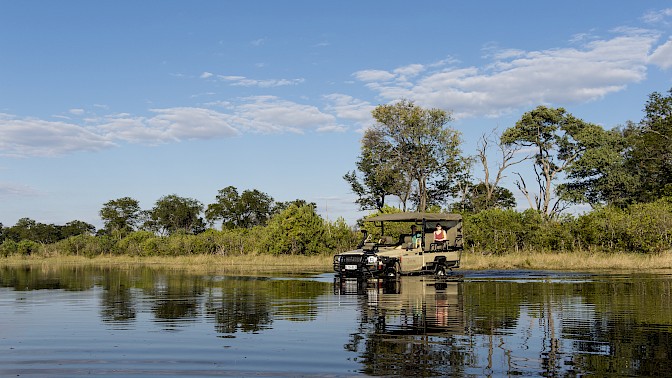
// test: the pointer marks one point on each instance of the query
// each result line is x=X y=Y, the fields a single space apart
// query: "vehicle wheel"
x=390 y=272
x=440 y=271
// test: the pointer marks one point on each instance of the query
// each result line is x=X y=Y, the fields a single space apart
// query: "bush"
x=296 y=231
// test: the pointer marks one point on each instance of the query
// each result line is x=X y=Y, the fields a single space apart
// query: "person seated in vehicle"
x=439 y=238
x=416 y=238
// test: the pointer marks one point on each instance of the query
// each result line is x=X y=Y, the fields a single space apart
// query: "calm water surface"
x=141 y=322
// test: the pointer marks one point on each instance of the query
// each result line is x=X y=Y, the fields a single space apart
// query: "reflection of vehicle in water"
x=391 y=255
x=409 y=326
x=417 y=305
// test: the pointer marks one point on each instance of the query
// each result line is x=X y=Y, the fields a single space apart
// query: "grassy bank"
x=239 y=264
x=258 y=264
x=576 y=261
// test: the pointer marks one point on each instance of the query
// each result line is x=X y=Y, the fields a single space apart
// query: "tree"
x=251 y=208
x=651 y=154
x=297 y=230
x=283 y=205
x=600 y=174
x=482 y=197
x=488 y=194
x=173 y=214
x=416 y=146
x=76 y=227
x=379 y=176
x=554 y=134
x=120 y=216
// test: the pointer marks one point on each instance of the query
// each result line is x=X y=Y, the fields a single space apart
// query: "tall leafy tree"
x=249 y=209
x=651 y=155
x=173 y=214
x=120 y=216
x=379 y=178
x=77 y=227
x=600 y=174
x=555 y=136
x=416 y=145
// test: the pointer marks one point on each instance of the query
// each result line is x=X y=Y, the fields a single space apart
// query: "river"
x=76 y=321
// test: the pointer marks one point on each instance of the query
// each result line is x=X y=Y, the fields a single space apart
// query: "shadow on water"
x=71 y=321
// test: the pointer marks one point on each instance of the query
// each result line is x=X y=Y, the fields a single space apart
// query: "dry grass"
x=243 y=264
x=568 y=261
x=262 y=264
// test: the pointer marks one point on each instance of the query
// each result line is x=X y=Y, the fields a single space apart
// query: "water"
x=69 y=322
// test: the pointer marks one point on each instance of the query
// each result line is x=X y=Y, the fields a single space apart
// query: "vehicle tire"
x=440 y=270
x=390 y=272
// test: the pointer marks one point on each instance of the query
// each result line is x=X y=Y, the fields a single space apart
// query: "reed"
x=575 y=260
x=244 y=264
x=250 y=264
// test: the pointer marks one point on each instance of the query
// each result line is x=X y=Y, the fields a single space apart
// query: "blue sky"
x=106 y=99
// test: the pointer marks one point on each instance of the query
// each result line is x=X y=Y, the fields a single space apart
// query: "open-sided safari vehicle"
x=402 y=253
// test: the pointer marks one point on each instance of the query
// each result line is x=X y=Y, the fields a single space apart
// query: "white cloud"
x=206 y=75
x=20 y=137
x=374 y=75
x=658 y=16
x=269 y=114
x=517 y=78
x=267 y=83
x=348 y=107
x=8 y=189
x=662 y=56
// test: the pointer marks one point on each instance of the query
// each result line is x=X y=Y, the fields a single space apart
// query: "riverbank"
x=258 y=264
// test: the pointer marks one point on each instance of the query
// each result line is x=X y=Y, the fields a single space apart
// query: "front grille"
x=351 y=259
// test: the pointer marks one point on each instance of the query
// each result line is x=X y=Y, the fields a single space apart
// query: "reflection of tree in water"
x=251 y=304
x=117 y=301
x=176 y=296
x=25 y=278
x=239 y=306
x=636 y=342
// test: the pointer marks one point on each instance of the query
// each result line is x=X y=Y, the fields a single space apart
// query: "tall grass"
x=575 y=260
x=252 y=264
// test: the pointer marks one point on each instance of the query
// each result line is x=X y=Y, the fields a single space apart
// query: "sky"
x=107 y=99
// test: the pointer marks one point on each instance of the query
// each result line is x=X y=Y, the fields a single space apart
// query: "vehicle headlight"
x=372 y=259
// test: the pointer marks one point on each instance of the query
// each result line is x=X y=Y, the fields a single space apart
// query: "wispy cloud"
x=22 y=137
x=8 y=189
x=243 y=81
x=35 y=137
x=515 y=78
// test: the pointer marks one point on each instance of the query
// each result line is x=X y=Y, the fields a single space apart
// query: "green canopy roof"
x=414 y=217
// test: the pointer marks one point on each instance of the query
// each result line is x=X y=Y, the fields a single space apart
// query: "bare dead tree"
x=509 y=155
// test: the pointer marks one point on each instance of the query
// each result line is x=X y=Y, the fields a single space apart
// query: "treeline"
x=639 y=228
x=251 y=222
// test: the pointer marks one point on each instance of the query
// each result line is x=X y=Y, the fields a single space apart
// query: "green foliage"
x=392 y=229
x=494 y=230
x=173 y=214
x=341 y=237
x=644 y=228
x=558 y=139
x=120 y=216
x=83 y=245
x=251 y=208
x=8 y=248
x=650 y=157
x=476 y=199
x=296 y=231
x=408 y=152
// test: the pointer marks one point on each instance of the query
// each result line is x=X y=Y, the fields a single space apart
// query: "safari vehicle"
x=394 y=255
